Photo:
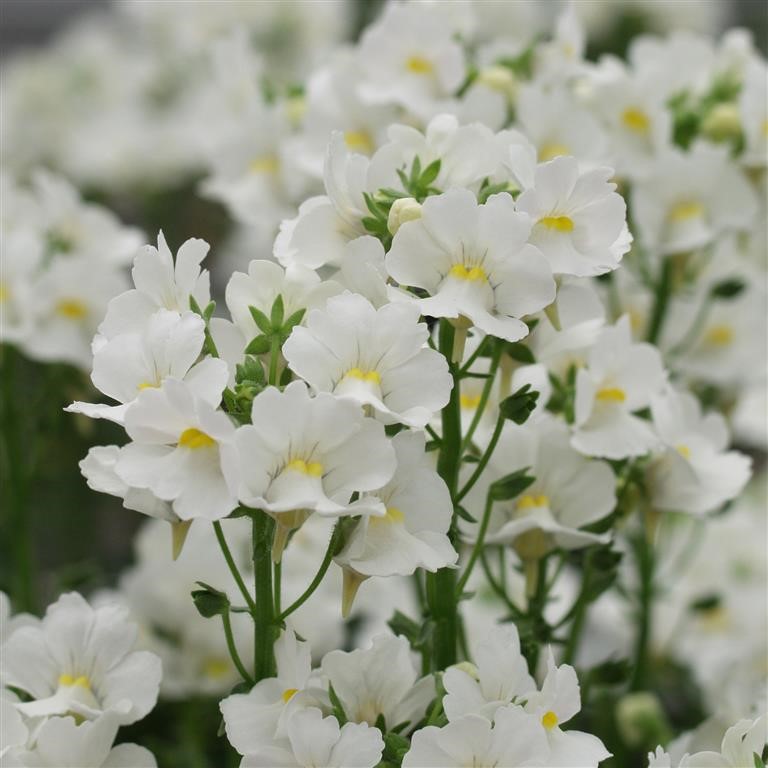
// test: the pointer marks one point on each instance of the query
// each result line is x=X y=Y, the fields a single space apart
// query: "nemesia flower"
x=413 y=533
x=81 y=661
x=501 y=678
x=474 y=262
x=695 y=473
x=557 y=702
x=160 y=283
x=63 y=742
x=260 y=717
x=410 y=57
x=126 y=364
x=379 y=680
x=516 y=739
x=687 y=200
x=580 y=220
x=304 y=454
x=621 y=377
x=377 y=358
x=569 y=491
x=313 y=740
x=181 y=443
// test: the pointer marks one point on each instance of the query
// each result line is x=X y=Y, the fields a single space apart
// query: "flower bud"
x=722 y=123
x=641 y=720
x=500 y=79
x=402 y=210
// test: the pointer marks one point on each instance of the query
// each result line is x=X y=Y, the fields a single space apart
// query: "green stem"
x=441 y=586
x=695 y=328
x=478 y=546
x=661 y=300
x=235 y=656
x=535 y=612
x=484 y=459
x=17 y=485
x=264 y=624
x=645 y=565
x=579 y=616
x=233 y=569
x=277 y=577
x=274 y=356
x=485 y=394
x=315 y=583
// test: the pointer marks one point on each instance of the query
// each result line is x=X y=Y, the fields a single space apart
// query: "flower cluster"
x=484 y=369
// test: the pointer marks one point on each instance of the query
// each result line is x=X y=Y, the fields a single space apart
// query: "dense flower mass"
x=454 y=440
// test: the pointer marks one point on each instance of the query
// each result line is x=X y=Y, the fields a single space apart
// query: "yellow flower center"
x=311 y=468
x=719 y=335
x=81 y=681
x=194 y=438
x=765 y=128
x=216 y=667
x=4 y=292
x=549 y=720
x=373 y=377
x=394 y=515
x=73 y=309
x=463 y=272
x=558 y=223
x=147 y=385
x=289 y=693
x=636 y=120
x=531 y=501
x=359 y=141
x=683 y=450
x=687 y=209
x=552 y=150
x=611 y=395
x=418 y=65
x=264 y=164
x=469 y=401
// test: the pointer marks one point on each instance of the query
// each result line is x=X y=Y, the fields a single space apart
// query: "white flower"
x=753 y=106
x=474 y=262
x=695 y=474
x=501 y=677
x=325 y=224
x=467 y=153
x=362 y=270
x=304 y=454
x=255 y=719
x=412 y=534
x=129 y=363
x=313 y=741
x=13 y=731
x=557 y=702
x=62 y=742
x=181 y=443
x=80 y=660
x=569 y=491
x=300 y=288
x=621 y=377
x=67 y=301
x=515 y=740
x=410 y=57
x=687 y=200
x=557 y=125
x=159 y=284
x=580 y=220
x=98 y=469
x=376 y=358
x=379 y=680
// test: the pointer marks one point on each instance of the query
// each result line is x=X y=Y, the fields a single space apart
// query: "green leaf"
x=250 y=370
x=403 y=625
x=261 y=320
x=706 y=603
x=520 y=352
x=610 y=672
x=510 y=486
x=208 y=311
x=758 y=760
x=464 y=515
x=430 y=173
x=278 y=312
x=519 y=405
x=210 y=601
x=194 y=306
x=258 y=345
x=727 y=289
x=294 y=319
x=338 y=707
